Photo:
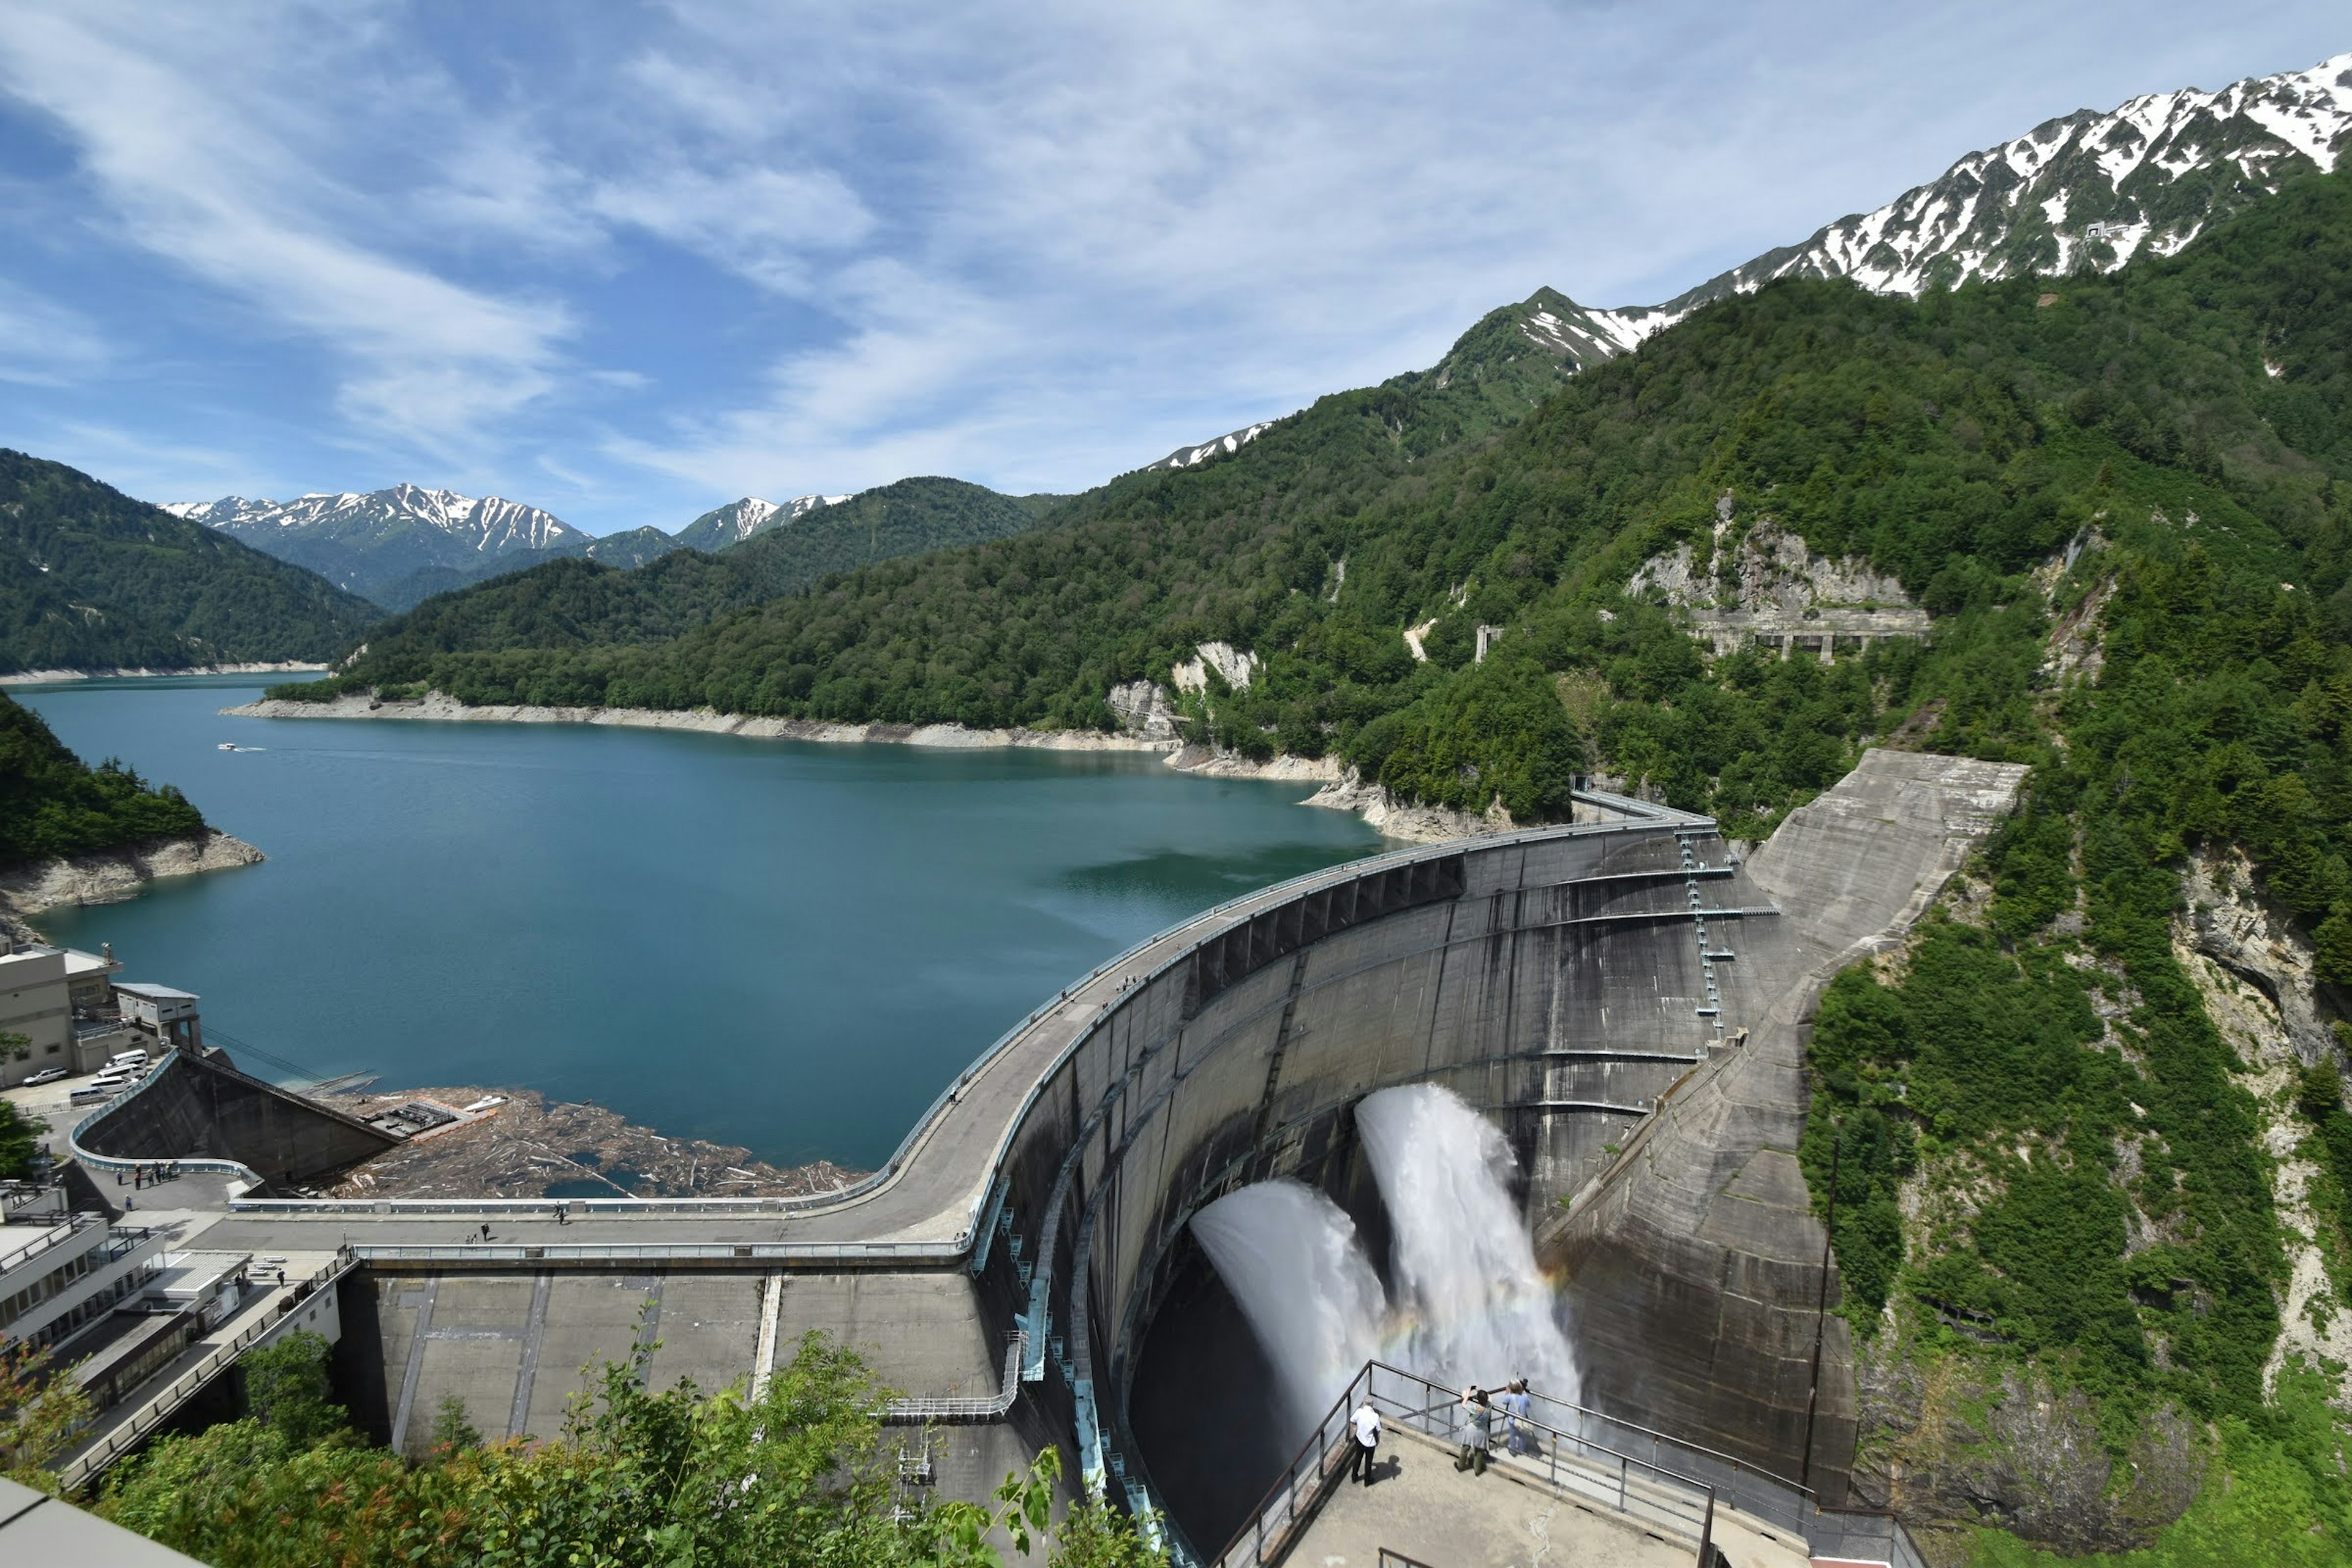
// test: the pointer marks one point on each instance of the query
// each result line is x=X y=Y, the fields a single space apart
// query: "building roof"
x=80 y=963
x=36 y=1527
x=156 y=992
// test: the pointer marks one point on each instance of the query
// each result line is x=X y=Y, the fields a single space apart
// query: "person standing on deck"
x=1365 y=1423
x=1481 y=1412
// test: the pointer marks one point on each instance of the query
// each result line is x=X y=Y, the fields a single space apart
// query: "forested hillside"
x=90 y=579
x=573 y=604
x=2123 y=499
x=52 y=803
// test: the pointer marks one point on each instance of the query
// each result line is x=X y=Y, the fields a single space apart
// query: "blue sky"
x=631 y=262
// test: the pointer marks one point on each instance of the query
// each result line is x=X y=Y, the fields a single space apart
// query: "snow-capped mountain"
x=2087 y=189
x=1193 y=456
x=367 y=542
x=739 y=520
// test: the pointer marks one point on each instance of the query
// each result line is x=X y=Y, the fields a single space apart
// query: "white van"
x=137 y=1060
x=89 y=1094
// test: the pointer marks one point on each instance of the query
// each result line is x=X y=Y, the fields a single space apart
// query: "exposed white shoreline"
x=110 y=876
x=1338 y=788
x=50 y=676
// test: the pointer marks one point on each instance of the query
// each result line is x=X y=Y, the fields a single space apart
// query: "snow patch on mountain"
x=490 y=525
x=1193 y=456
x=739 y=520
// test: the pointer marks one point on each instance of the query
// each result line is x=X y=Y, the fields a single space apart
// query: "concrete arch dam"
x=1624 y=996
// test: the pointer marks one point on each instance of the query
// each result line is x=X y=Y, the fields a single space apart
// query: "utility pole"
x=1821 y=1306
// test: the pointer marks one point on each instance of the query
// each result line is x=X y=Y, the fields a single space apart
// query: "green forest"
x=52 y=803
x=639 y=1476
x=90 y=579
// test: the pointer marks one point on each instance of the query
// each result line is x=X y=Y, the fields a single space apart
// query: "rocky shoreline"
x=50 y=676
x=110 y=876
x=1338 y=788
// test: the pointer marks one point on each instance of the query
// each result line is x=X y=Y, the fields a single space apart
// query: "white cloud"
x=44 y=343
x=213 y=192
x=757 y=222
x=698 y=249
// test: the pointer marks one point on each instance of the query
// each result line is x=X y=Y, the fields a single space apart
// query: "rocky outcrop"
x=1406 y=819
x=2255 y=973
x=1234 y=665
x=1951 y=1446
x=1143 y=709
x=113 y=875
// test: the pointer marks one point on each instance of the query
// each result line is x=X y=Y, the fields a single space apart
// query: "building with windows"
x=168 y=1015
x=62 y=1270
x=62 y=1004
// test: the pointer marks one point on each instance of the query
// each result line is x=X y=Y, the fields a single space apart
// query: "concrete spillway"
x=1624 y=998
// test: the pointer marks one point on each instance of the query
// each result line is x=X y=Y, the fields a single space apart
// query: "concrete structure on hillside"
x=1626 y=998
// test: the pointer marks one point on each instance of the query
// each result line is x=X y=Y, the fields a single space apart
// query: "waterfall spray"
x=1477 y=1308
x=1291 y=1259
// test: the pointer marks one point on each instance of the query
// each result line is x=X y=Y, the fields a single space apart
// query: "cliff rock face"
x=112 y=875
x=1949 y=1445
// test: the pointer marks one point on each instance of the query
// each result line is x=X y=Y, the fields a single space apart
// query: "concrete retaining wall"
x=201 y=1108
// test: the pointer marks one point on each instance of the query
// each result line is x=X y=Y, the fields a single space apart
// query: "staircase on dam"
x=1627 y=997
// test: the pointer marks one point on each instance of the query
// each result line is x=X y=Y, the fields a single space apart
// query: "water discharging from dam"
x=1292 y=1259
x=1465 y=1303
x=1471 y=1306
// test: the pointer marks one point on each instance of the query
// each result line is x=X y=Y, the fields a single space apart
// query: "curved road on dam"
x=922 y=1209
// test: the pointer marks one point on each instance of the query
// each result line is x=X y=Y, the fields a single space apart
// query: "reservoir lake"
x=792 y=946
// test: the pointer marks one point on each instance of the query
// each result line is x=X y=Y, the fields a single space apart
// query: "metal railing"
x=235 y=1171
x=1858 y=1534
x=956 y=1412
x=926 y=1252
x=1569 y=1462
x=121 y=1437
x=51 y=1235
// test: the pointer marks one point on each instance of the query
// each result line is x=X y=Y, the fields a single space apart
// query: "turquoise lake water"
x=788 y=946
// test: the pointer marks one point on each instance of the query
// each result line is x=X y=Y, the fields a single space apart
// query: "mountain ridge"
x=2150 y=174
x=91 y=579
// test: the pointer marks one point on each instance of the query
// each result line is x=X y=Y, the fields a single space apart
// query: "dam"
x=1625 y=999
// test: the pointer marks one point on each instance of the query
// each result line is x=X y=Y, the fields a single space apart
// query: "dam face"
x=1626 y=999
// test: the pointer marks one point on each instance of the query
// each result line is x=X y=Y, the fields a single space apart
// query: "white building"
x=168 y=1015
x=60 y=1271
x=62 y=1003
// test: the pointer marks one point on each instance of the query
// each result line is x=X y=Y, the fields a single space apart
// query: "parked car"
x=134 y=1059
x=47 y=1075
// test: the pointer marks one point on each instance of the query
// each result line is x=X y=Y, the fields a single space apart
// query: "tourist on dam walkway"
x=1366 y=1421
x=1517 y=1409
x=1481 y=1412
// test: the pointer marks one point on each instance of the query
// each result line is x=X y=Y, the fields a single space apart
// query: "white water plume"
x=1291 y=1259
x=1475 y=1307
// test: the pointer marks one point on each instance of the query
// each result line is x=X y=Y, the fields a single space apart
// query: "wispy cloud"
x=44 y=343
x=662 y=255
x=218 y=193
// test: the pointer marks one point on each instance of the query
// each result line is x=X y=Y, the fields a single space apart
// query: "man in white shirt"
x=1365 y=1423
